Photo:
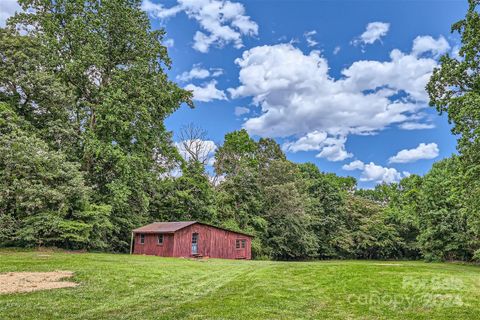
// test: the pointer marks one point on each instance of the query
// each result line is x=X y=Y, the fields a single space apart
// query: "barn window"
x=240 y=243
x=195 y=238
x=160 y=238
x=142 y=238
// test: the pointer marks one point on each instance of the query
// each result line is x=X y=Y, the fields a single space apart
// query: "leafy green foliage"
x=296 y=211
x=85 y=156
x=88 y=78
x=455 y=88
x=371 y=235
x=43 y=196
x=237 y=151
x=188 y=197
x=443 y=223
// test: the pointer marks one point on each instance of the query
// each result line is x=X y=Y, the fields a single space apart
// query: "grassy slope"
x=142 y=287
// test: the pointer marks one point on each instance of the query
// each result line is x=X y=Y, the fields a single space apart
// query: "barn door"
x=194 y=243
x=240 y=249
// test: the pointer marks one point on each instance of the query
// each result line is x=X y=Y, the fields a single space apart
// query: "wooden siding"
x=151 y=246
x=212 y=242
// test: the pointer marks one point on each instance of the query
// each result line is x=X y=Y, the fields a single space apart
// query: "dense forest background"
x=85 y=156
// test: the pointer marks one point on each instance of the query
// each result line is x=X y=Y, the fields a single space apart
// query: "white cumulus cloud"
x=221 y=21
x=416 y=126
x=354 y=165
x=374 y=32
x=334 y=152
x=424 y=44
x=331 y=148
x=159 y=11
x=379 y=174
x=207 y=92
x=422 y=151
x=198 y=72
x=301 y=102
x=374 y=172
x=241 y=110
x=311 y=141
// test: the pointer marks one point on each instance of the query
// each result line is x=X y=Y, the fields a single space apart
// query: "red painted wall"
x=212 y=242
x=151 y=246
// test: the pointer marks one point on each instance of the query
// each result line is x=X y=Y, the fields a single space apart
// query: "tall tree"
x=445 y=229
x=455 y=88
x=326 y=207
x=43 y=197
x=237 y=150
x=288 y=235
x=187 y=197
x=90 y=76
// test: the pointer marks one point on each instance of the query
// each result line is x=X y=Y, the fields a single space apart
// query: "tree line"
x=85 y=156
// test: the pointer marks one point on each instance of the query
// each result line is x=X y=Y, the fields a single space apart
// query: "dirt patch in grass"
x=12 y=282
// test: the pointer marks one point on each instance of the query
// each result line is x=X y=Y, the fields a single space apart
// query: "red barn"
x=190 y=239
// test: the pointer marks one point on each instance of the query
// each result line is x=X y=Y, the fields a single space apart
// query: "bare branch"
x=194 y=144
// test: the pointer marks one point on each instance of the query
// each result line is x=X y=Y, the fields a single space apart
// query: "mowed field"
x=114 y=286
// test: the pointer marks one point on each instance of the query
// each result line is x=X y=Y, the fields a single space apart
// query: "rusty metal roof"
x=171 y=227
x=164 y=227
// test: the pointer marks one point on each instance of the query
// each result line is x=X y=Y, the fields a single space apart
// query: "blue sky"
x=336 y=83
x=337 y=28
x=336 y=24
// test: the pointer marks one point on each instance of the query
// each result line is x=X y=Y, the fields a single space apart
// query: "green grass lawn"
x=144 y=287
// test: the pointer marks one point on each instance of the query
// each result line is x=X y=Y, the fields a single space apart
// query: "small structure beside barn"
x=190 y=239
